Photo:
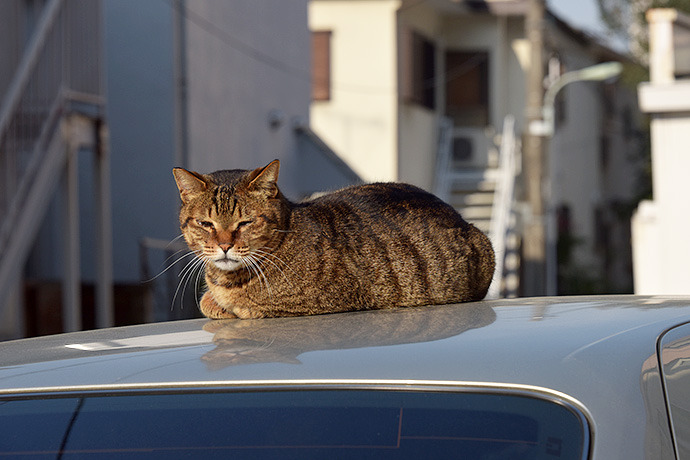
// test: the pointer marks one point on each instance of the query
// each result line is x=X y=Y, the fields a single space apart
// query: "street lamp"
x=545 y=128
x=599 y=72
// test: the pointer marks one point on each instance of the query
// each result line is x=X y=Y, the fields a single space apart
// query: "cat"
x=374 y=246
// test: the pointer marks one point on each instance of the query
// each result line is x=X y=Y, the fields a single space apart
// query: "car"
x=605 y=377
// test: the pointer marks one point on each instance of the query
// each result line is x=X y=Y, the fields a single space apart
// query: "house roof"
x=592 y=42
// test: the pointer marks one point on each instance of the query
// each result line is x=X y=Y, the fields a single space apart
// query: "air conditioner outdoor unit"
x=471 y=148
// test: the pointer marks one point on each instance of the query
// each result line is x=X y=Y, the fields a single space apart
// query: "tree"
x=626 y=19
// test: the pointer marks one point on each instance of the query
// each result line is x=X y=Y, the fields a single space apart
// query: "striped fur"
x=372 y=246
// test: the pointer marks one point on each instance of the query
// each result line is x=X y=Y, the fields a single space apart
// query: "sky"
x=583 y=15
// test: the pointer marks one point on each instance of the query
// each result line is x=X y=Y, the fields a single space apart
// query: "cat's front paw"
x=211 y=309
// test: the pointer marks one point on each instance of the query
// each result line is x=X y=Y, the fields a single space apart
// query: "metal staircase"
x=51 y=110
x=485 y=197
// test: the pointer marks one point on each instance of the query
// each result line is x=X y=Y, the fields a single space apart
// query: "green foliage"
x=625 y=18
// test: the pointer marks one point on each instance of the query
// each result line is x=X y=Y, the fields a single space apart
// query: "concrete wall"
x=140 y=115
x=246 y=61
x=10 y=46
x=592 y=168
x=379 y=135
x=359 y=122
x=660 y=226
x=574 y=152
x=417 y=125
x=502 y=38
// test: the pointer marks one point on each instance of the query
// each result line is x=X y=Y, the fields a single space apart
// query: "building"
x=390 y=74
x=661 y=243
x=205 y=85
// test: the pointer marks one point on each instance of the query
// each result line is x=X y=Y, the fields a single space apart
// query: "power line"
x=253 y=53
x=237 y=44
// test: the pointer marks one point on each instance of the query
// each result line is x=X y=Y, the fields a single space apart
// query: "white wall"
x=140 y=90
x=418 y=125
x=661 y=226
x=246 y=59
x=502 y=38
x=360 y=120
x=574 y=154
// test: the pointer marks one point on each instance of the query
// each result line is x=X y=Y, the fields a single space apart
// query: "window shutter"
x=321 y=65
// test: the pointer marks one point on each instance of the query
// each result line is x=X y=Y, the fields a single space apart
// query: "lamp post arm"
x=594 y=73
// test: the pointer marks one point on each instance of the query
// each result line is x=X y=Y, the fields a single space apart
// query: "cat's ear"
x=265 y=180
x=189 y=183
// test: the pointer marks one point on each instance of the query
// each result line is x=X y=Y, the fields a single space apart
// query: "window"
x=419 y=70
x=292 y=424
x=467 y=88
x=321 y=65
x=675 y=361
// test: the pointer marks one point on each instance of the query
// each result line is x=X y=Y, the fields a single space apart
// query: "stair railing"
x=59 y=73
x=503 y=200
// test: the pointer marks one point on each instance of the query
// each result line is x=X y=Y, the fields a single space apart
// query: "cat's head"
x=230 y=217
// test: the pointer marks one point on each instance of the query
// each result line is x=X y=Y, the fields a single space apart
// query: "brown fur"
x=364 y=247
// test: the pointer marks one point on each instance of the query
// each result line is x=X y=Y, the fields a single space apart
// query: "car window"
x=675 y=360
x=292 y=424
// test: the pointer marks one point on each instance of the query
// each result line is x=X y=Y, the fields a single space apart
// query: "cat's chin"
x=227 y=265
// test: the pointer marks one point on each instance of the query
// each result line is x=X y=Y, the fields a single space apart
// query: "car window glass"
x=675 y=361
x=293 y=424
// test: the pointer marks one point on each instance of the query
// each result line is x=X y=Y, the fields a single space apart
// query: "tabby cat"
x=364 y=247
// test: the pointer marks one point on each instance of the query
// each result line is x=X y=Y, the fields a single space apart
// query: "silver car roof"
x=527 y=341
x=597 y=351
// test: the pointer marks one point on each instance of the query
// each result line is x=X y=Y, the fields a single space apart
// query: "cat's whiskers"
x=186 y=275
x=179 y=259
x=170 y=243
x=183 y=275
x=199 y=275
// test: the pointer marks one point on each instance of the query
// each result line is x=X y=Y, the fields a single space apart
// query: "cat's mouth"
x=227 y=263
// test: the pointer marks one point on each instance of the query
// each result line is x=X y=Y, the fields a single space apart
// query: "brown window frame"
x=321 y=65
x=467 y=95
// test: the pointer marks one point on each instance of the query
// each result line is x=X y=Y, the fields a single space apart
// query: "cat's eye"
x=205 y=224
x=243 y=223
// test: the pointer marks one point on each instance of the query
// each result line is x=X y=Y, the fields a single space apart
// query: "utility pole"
x=534 y=242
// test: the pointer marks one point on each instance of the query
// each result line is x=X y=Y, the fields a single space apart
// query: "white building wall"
x=660 y=226
x=417 y=125
x=140 y=110
x=574 y=155
x=501 y=38
x=246 y=61
x=359 y=122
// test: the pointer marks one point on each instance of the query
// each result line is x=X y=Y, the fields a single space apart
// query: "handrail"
x=27 y=180
x=28 y=63
x=58 y=76
x=503 y=201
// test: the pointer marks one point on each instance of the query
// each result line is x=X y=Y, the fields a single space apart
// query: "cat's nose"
x=225 y=247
